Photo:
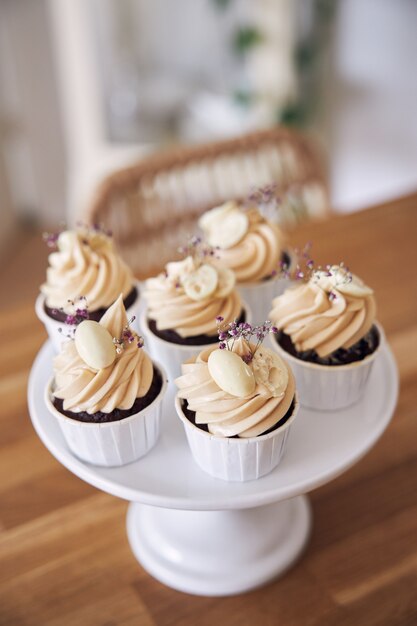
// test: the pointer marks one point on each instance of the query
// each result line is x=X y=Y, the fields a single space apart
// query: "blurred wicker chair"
x=152 y=206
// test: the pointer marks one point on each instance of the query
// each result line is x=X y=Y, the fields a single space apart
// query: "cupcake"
x=327 y=331
x=106 y=392
x=237 y=403
x=253 y=247
x=183 y=302
x=85 y=264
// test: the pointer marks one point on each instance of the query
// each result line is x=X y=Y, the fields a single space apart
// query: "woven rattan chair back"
x=152 y=206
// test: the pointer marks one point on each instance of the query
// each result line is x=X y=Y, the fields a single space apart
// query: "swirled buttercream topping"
x=248 y=243
x=86 y=264
x=86 y=388
x=333 y=310
x=226 y=414
x=190 y=294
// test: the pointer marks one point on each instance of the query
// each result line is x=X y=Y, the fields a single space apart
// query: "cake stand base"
x=218 y=553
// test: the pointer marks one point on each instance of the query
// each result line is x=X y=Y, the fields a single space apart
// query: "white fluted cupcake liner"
x=235 y=459
x=259 y=296
x=172 y=355
x=111 y=444
x=57 y=331
x=330 y=387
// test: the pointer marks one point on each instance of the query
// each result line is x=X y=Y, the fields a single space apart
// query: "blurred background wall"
x=89 y=85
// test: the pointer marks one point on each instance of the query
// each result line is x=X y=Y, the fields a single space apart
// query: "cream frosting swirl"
x=227 y=415
x=84 y=388
x=190 y=294
x=257 y=253
x=333 y=310
x=85 y=264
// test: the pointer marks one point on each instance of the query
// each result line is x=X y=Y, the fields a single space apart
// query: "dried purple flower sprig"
x=267 y=199
x=128 y=337
x=198 y=249
x=306 y=270
x=264 y=195
x=78 y=313
x=95 y=228
x=51 y=239
x=228 y=333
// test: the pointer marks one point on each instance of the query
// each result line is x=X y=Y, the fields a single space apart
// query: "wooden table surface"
x=64 y=556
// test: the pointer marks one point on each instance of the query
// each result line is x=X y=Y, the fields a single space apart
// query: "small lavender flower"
x=51 y=239
x=229 y=333
x=128 y=337
x=78 y=313
x=197 y=249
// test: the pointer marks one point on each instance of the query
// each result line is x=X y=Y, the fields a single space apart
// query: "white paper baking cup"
x=111 y=444
x=172 y=355
x=235 y=459
x=330 y=387
x=259 y=295
x=57 y=331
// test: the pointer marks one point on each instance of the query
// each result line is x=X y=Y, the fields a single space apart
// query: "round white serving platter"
x=211 y=537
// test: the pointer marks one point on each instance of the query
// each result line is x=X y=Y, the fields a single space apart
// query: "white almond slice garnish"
x=94 y=345
x=342 y=281
x=224 y=226
x=180 y=268
x=226 y=282
x=324 y=281
x=270 y=370
x=66 y=240
x=201 y=283
x=231 y=373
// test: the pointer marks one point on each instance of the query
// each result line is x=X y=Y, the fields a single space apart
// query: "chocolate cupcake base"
x=113 y=443
x=172 y=336
x=61 y=316
x=332 y=385
x=236 y=458
x=343 y=356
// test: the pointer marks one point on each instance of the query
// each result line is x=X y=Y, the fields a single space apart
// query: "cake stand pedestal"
x=218 y=552
x=206 y=536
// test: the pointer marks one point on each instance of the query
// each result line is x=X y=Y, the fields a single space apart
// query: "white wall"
x=373 y=146
x=31 y=137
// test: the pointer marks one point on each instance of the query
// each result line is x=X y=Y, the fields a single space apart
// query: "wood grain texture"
x=64 y=556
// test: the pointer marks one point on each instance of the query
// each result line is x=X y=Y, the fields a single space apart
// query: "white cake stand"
x=206 y=536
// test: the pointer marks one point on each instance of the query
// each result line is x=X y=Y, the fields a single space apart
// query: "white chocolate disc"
x=356 y=288
x=224 y=226
x=344 y=282
x=271 y=371
x=94 y=344
x=201 y=283
x=180 y=268
x=231 y=373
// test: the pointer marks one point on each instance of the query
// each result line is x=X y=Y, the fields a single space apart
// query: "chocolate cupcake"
x=106 y=393
x=84 y=264
x=328 y=332
x=183 y=303
x=237 y=403
x=253 y=247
